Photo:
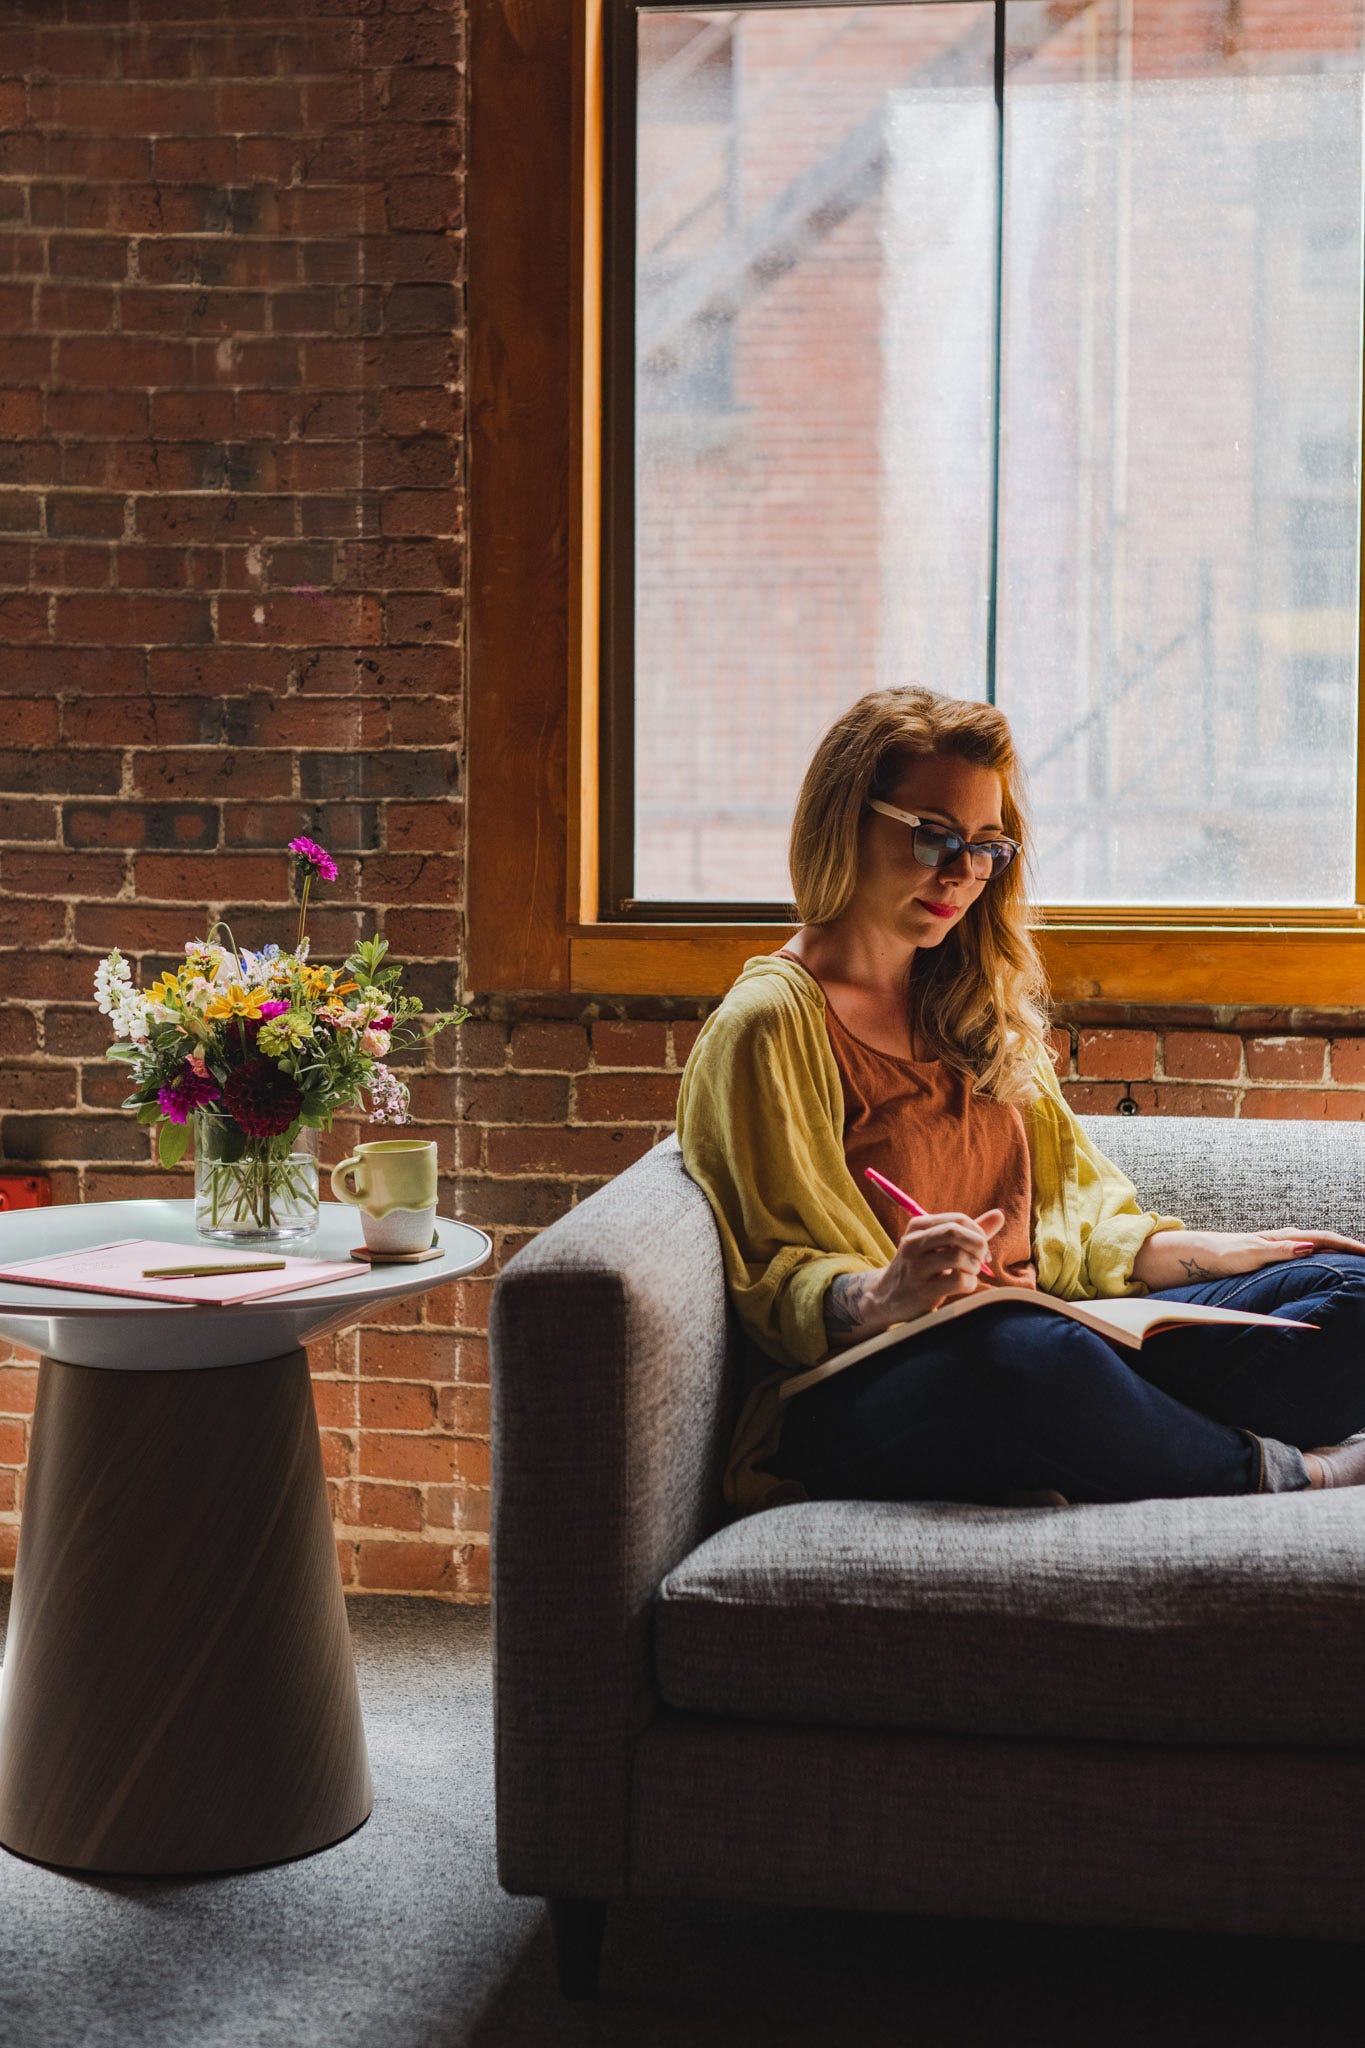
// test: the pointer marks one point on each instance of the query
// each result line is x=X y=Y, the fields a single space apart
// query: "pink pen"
x=909 y=1204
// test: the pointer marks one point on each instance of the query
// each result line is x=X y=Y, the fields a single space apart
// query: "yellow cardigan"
x=760 y=1123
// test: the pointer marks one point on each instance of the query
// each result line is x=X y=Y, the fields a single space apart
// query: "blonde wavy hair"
x=980 y=1000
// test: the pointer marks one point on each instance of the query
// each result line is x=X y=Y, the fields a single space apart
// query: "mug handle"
x=348 y=1169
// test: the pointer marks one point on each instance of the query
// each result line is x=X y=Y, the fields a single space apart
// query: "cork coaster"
x=363 y=1252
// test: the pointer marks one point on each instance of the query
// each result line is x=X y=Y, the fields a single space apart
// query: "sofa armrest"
x=609 y=1343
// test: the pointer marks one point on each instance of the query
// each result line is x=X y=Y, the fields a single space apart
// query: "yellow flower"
x=164 y=990
x=236 y=1001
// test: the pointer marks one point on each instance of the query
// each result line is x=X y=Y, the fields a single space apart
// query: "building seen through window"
x=1064 y=410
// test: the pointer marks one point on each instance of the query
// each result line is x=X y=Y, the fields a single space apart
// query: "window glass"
x=1177 y=583
x=1180 y=451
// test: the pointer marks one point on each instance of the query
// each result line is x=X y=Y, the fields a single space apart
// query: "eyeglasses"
x=935 y=847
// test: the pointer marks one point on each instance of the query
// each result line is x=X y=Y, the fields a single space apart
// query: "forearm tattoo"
x=1194 y=1271
x=847 y=1304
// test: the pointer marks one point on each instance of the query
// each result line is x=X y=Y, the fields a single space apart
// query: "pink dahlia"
x=260 y=1099
x=314 y=857
x=191 y=1089
x=269 y=1010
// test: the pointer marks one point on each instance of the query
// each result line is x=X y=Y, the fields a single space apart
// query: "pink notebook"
x=117 y=1269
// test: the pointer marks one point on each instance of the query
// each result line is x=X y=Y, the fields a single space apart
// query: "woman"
x=904 y=1028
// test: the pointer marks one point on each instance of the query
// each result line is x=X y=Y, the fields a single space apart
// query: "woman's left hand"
x=1174 y=1258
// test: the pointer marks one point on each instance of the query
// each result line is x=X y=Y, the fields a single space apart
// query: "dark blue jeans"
x=1012 y=1398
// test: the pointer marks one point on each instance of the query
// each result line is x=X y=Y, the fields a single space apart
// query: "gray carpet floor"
x=400 y=1937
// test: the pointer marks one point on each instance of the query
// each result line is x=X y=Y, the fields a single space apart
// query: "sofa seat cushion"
x=1218 y=1619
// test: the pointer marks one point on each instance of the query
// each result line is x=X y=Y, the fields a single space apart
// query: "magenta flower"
x=269 y=1010
x=191 y=1090
x=314 y=860
x=316 y=857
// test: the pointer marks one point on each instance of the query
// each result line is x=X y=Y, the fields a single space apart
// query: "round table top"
x=124 y=1334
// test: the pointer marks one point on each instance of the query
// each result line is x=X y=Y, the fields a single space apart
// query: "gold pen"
x=208 y=1272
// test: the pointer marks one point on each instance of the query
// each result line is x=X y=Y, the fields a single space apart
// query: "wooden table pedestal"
x=178 y=1691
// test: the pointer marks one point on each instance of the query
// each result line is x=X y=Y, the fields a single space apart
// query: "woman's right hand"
x=937 y=1259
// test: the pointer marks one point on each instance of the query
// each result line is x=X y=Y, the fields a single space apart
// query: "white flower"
x=120 y=1002
x=113 y=981
x=376 y=1043
x=389 y=1096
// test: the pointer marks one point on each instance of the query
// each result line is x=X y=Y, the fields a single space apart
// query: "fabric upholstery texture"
x=1227 y=1619
x=1246 y=1841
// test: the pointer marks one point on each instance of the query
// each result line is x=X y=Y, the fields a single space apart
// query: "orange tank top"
x=917 y=1122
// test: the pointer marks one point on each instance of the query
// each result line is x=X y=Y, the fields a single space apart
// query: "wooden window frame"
x=534 y=197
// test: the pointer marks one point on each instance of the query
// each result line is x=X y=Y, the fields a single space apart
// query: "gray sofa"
x=1149 y=1714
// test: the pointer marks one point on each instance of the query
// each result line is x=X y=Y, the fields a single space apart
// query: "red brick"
x=554 y=1149
x=171 y=877
x=465 y=1410
x=213 y=771
x=387 y=1507
x=1348 y=1061
x=1120 y=1055
x=29 y=821
x=516 y=1098
x=463 y=1305
x=684 y=1038
x=338 y=1453
x=12 y=1445
x=1202 y=1055
x=62 y=874
x=18 y=1388
x=563 y=1048
x=18 y=1031
x=1092 y=1098
x=336 y=1403
x=405 y=1407
x=31 y=923
x=138 y=619
x=1286 y=1059
x=424 y=827
x=134 y=928
x=1195 y=1101
x=413 y=1567
x=40 y=1088
x=1346 y=1105
x=1286 y=1102
x=629 y=1045
x=142 y=721
x=632 y=1098
x=406 y=1355
x=406 y=1457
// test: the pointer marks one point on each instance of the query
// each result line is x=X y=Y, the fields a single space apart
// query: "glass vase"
x=253 y=1190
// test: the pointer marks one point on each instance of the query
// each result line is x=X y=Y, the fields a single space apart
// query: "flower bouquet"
x=261 y=1050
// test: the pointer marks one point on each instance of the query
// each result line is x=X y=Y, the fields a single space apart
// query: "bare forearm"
x=1173 y=1258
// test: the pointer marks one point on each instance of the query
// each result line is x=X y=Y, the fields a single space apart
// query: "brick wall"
x=230 y=610
x=231 y=576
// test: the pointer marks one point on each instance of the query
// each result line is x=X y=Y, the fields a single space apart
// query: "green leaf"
x=172 y=1143
x=123 y=1052
x=147 y=1112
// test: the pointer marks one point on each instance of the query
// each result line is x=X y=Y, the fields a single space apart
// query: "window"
x=1014 y=350
x=1235 y=649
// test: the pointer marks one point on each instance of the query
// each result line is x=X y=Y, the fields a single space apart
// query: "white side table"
x=178 y=1692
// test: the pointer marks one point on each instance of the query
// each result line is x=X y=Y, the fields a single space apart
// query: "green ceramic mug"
x=393 y=1184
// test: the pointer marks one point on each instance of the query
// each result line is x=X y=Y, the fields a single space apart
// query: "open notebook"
x=117 y=1268
x=1128 y=1319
